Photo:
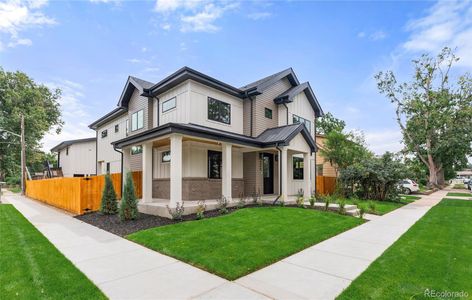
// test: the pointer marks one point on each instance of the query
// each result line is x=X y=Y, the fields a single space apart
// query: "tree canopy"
x=434 y=114
x=19 y=94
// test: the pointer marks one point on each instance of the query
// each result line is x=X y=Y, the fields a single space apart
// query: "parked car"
x=469 y=185
x=409 y=186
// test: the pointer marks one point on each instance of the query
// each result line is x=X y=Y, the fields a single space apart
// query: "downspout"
x=280 y=174
x=96 y=152
x=252 y=106
x=157 y=117
x=286 y=107
x=121 y=172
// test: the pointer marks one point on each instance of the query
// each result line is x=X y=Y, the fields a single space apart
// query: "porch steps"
x=349 y=209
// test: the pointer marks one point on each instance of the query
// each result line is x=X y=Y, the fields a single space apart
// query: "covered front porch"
x=185 y=168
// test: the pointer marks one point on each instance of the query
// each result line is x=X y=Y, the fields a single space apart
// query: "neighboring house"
x=76 y=158
x=323 y=166
x=195 y=137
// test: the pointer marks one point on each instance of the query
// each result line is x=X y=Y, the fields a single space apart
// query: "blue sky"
x=88 y=48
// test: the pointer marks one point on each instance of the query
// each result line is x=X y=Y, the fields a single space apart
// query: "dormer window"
x=219 y=111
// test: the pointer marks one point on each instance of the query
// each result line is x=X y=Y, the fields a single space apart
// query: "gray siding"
x=137 y=103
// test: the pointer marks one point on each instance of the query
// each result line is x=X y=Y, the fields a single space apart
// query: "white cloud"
x=17 y=16
x=192 y=15
x=74 y=114
x=361 y=34
x=447 y=23
x=259 y=15
x=137 y=61
x=374 y=36
x=381 y=141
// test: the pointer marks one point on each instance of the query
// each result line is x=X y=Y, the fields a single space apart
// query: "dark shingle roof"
x=143 y=83
x=288 y=95
x=277 y=133
x=261 y=84
x=70 y=142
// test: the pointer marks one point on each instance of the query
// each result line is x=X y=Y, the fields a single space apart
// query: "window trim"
x=104 y=133
x=171 y=108
x=302 y=175
x=162 y=157
x=219 y=116
x=137 y=120
x=268 y=110
x=117 y=128
x=136 y=152
x=213 y=152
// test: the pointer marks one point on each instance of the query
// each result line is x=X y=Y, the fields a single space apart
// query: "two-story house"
x=197 y=138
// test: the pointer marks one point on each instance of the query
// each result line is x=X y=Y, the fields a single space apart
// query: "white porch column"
x=147 y=172
x=226 y=176
x=284 y=181
x=126 y=168
x=175 y=170
x=306 y=176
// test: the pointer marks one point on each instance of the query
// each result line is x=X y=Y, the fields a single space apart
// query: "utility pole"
x=23 y=156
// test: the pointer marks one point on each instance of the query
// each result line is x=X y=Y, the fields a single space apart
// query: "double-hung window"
x=105 y=133
x=219 y=111
x=296 y=119
x=137 y=120
x=214 y=164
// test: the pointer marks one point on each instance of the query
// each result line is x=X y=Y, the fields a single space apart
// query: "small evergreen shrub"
x=327 y=200
x=109 y=205
x=129 y=204
x=222 y=204
x=201 y=206
x=312 y=200
x=372 y=207
x=362 y=210
x=300 y=201
x=342 y=205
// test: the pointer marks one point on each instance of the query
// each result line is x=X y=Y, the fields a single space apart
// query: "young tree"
x=435 y=116
x=108 y=205
x=20 y=95
x=129 y=204
x=329 y=123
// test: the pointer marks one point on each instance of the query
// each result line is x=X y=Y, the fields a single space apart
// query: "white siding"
x=302 y=108
x=181 y=112
x=106 y=153
x=194 y=160
x=80 y=160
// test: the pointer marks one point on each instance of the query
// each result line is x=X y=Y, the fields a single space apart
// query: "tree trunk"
x=440 y=177
x=433 y=172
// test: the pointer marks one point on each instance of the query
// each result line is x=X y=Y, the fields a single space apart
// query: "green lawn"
x=434 y=254
x=459 y=194
x=383 y=207
x=240 y=243
x=32 y=268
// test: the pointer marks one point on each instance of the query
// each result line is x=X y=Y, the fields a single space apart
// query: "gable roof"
x=287 y=97
x=260 y=85
x=278 y=136
x=65 y=144
x=186 y=73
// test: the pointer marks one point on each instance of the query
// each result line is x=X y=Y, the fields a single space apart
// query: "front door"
x=268 y=172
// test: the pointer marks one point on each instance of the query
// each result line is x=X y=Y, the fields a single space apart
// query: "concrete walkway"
x=324 y=270
x=125 y=270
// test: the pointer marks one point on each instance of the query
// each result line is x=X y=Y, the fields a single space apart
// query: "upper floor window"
x=165 y=157
x=67 y=151
x=104 y=133
x=219 y=111
x=127 y=126
x=214 y=164
x=296 y=119
x=297 y=167
x=169 y=104
x=117 y=128
x=268 y=113
x=136 y=150
x=137 y=120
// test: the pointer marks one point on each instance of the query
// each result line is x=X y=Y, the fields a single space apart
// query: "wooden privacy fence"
x=77 y=194
x=325 y=185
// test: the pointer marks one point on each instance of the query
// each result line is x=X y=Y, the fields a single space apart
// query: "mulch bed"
x=113 y=223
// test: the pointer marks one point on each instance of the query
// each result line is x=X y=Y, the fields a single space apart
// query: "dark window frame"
x=135 y=150
x=211 y=155
x=117 y=128
x=170 y=108
x=217 y=116
x=268 y=113
x=138 y=127
x=297 y=119
x=67 y=150
x=297 y=168
x=104 y=133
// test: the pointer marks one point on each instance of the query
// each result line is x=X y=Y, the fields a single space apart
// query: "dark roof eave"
x=64 y=144
x=109 y=116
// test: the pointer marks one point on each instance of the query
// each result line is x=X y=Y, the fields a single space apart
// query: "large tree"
x=434 y=114
x=20 y=95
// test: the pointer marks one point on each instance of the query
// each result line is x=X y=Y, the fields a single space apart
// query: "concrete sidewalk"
x=324 y=270
x=125 y=270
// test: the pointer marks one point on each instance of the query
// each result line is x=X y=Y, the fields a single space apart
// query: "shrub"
x=362 y=210
x=300 y=201
x=342 y=204
x=222 y=204
x=129 y=204
x=109 y=205
x=200 y=212
x=242 y=200
x=14 y=180
x=327 y=200
x=177 y=212
x=312 y=200
x=459 y=186
x=372 y=206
